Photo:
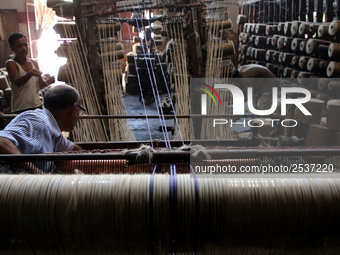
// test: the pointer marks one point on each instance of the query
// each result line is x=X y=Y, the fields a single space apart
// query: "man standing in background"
x=25 y=76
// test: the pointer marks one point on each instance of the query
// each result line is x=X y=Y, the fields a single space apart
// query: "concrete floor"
x=139 y=126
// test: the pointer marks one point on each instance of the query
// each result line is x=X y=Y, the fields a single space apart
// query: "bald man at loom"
x=40 y=131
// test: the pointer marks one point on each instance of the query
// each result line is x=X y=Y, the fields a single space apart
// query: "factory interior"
x=172 y=162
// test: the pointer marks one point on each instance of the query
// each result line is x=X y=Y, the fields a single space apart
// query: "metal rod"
x=166 y=116
x=174 y=156
x=148 y=8
x=174 y=143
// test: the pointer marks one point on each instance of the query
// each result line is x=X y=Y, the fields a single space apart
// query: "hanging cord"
x=139 y=84
x=157 y=98
x=167 y=89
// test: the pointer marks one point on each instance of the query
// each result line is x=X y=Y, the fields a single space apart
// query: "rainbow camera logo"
x=209 y=93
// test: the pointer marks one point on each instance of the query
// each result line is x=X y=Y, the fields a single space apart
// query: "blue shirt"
x=36 y=132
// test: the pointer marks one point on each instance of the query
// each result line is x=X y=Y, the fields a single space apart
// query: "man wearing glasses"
x=40 y=131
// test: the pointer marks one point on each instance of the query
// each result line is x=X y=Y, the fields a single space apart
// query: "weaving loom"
x=166 y=208
x=159 y=198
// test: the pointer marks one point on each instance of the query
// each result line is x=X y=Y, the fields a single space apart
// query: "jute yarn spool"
x=227 y=48
x=245 y=58
x=158 y=42
x=313 y=28
x=249 y=27
x=240 y=36
x=136 y=39
x=137 y=48
x=133 y=79
x=260 y=41
x=130 y=57
x=302 y=77
x=274 y=40
x=110 y=27
x=269 y=42
x=294 y=74
x=260 y=54
x=314 y=93
x=304 y=29
x=280 y=42
x=131 y=69
x=275 y=56
x=260 y=29
x=303 y=62
x=334 y=28
x=317 y=135
x=157 y=29
x=287 y=41
x=295 y=45
x=95 y=207
x=294 y=29
x=334 y=86
x=287 y=28
x=313 y=44
x=280 y=57
x=119 y=54
x=280 y=27
x=313 y=64
x=157 y=37
x=323 y=84
x=241 y=19
x=333 y=69
x=245 y=38
x=315 y=107
x=245 y=27
x=270 y=66
x=165 y=33
x=302 y=46
x=287 y=72
x=287 y=58
x=269 y=54
x=271 y=30
x=333 y=111
x=252 y=39
x=223 y=24
x=323 y=65
x=334 y=50
x=323 y=31
x=3 y=82
x=252 y=53
x=323 y=97
x=295 y=60
x=249 y=51
x=244 y=49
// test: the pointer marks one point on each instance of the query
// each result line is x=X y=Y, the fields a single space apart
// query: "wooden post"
x=93 y=56
x=288 y=10
x=303 y=10
x=330 y=11
x=295 y=9
x=195 y=46
x=319 y=13
x=310 y=10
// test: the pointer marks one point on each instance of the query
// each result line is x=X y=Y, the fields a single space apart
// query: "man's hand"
x=50 y=80
x=34 y=72
x=7 y=147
